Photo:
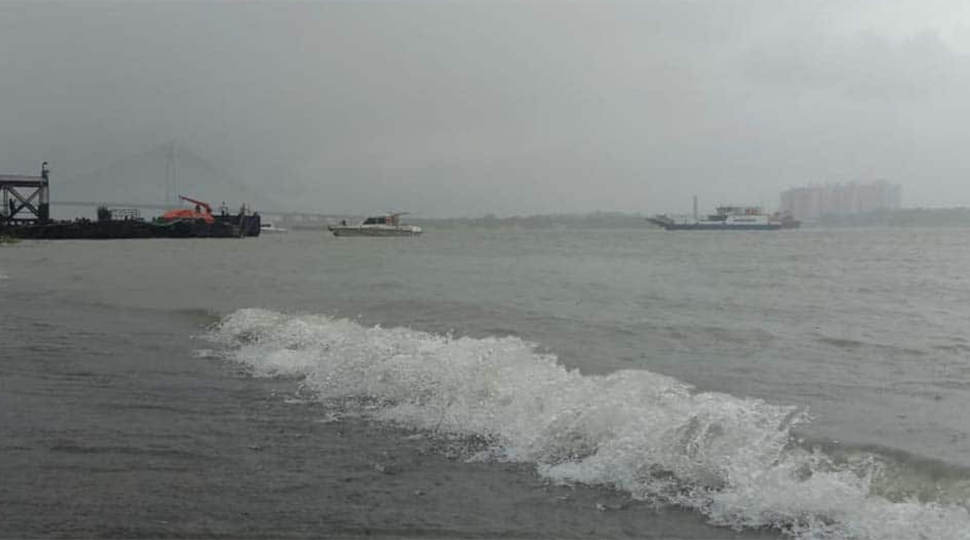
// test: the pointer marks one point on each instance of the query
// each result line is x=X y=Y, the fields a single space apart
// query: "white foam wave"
x=653 y=436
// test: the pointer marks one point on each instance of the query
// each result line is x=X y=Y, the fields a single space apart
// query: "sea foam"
x=733 y=459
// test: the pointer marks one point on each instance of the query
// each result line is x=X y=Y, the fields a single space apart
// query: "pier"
x=26 y=199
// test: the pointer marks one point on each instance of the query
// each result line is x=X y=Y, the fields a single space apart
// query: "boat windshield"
x=390 y=219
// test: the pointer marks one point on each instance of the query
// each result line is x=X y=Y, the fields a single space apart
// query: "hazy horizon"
x=451 y=109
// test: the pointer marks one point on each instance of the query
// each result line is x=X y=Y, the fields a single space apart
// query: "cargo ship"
x=728 y=218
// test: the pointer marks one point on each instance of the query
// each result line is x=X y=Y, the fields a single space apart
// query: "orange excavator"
x=187 y=213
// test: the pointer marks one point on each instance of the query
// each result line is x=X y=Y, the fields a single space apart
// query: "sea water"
x=474 y=382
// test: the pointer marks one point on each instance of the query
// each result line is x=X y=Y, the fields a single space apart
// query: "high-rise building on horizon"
x=812 y=202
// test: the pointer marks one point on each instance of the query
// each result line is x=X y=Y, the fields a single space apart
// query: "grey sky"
x=467 y=108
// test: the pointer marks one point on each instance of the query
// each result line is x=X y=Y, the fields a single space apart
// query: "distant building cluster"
x=813 y=202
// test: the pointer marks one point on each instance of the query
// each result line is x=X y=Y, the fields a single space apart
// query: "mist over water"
x=467 y=108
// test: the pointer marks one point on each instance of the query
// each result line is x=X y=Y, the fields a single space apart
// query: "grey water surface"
x=117 y=419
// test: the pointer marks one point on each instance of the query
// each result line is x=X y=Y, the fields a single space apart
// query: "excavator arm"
x=180 y=213
x=208 y=209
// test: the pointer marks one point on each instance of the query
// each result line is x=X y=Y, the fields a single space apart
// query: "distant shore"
x=594 y=220
x=903 y=217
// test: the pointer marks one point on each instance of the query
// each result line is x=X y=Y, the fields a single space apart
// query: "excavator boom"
x=182 y=213
x=208 y=209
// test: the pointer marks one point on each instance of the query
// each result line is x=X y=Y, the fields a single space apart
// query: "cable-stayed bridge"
x=284 y=214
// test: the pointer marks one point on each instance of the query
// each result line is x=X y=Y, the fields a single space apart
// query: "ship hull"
x=672 y=225
x=720 y=227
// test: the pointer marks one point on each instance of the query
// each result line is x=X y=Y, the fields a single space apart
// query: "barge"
x=107 y=229
x=25 y=214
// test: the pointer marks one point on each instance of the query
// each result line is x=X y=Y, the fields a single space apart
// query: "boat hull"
x=374 y=231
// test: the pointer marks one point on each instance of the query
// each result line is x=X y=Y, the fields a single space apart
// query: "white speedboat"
x=268 y=227
x=386 y=225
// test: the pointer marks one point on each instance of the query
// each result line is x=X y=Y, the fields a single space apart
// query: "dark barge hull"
x=224 y=227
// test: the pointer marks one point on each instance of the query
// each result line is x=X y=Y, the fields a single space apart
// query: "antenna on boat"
x=695 y=206
x=172 y=175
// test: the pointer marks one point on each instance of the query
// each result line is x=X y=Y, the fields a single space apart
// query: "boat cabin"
x=380 y=220
x=389 y=219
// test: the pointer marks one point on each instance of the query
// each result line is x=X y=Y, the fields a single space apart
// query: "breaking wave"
x=733 y=459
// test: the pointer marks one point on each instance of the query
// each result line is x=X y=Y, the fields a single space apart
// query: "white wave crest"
x=651 y=435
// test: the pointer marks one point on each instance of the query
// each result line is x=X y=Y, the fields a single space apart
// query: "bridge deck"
x=22 y=180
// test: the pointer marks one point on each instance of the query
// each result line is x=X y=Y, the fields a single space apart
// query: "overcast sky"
x=468 y=108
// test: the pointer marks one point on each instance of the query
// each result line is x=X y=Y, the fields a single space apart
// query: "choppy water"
x=468 y=382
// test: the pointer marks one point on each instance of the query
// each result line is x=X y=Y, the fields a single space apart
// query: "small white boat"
x=268 y=227
x=386 y=225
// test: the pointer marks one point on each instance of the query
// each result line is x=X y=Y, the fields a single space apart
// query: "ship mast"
x=172 y=175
